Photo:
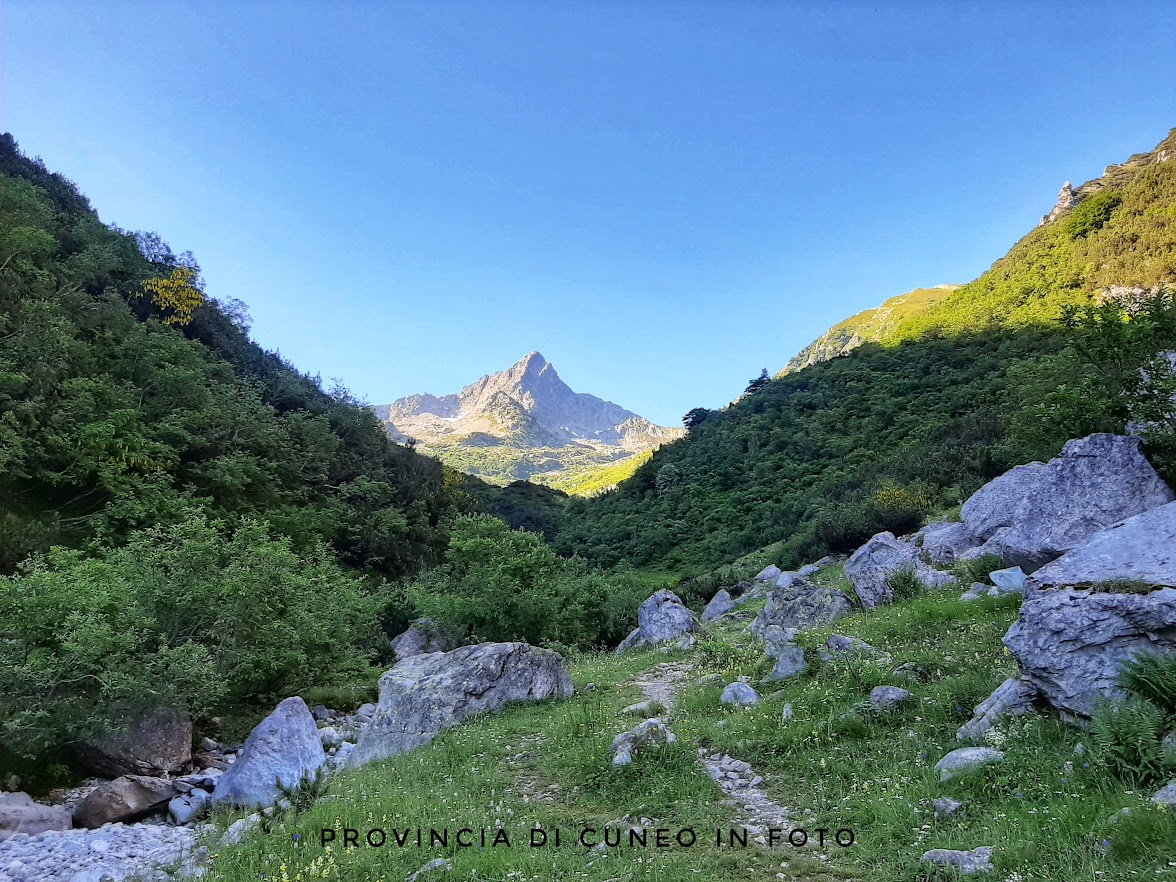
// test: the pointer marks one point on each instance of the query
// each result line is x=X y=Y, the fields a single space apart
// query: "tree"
x=696 y=417
x=758 y=383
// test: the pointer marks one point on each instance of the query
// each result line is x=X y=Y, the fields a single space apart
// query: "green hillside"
x=947 y=398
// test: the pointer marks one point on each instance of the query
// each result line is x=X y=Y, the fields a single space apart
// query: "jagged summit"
x=522 y=422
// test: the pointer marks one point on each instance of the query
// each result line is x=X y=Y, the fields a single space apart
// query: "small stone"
x=968 y=862
x=320 y=713
x=739 y=694
x=1166 y=795
x=887 y=698
x=786 y=712
x=965 y=760
x=431 y=867
x=945 y=806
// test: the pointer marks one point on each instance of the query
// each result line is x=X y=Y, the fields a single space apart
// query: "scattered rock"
x=321 y=713
x=787 y=713
x=802 y=605
x=965 y=760
x=1008 y=581
x=911 y=671
x=330 y=736
x=1013 y=697
x=945 y=807
x=789 y=658
x=366 y=710
x=840 y=645
x=19 y=814
x=944 y=543
x=887 y=698
x=739 y=694
x=431 y=867
x=719 y=606
x=1034 y=513
x=815 y=567
x=426 y=694
x=767 y=574
x=978 y=590
x=968 y=862
x=186 y=807
x=423 y=636
x=239 y=829
x=1166 y=795
x=650 y=733
x=664 y=617
x=123 y=799
x=284 y=747
x=870 y=568
x=633 y=641
x=158 y=744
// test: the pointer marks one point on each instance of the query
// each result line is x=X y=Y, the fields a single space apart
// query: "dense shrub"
x=1152 y=676
x=193 y=616
x=1128 y=735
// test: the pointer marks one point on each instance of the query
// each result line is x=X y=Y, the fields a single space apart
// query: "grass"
x=837 y=764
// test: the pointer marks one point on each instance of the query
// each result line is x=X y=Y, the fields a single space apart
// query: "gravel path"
x=113 y=852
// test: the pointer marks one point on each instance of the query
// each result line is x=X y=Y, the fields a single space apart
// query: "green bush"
x=905 y=584
x=1152 y=677
x=193 y=616
x=1127 y=736
x=503 y=584
x=977 y=569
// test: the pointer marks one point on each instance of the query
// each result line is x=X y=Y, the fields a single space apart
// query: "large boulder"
x=870 y=568
x=19 y=814
x=424 y=635
x=664 y=617
x=1097 y=606
x=719 y=606
x=803 y=606
x=1034 y=513
x=426 y=694
x=123 y=799
x=159 y=743
x=283 y=748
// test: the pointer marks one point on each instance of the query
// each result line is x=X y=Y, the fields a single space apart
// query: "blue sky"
x=662 y=197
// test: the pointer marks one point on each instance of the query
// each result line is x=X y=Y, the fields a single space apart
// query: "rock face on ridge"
x=521 y=423
x=426 y=694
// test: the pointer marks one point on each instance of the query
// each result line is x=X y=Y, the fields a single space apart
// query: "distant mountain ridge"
x=523 y=423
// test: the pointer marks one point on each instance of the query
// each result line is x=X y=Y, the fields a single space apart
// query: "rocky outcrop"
x=159 y=743
x=1034 y=513
x=123 y=799
x=1097 y=606
x=426 y=694
x=663 y=617
x=803 y=606
x=19 y=814
x=283 y=749
x=870 y=568
x=1067 y=199
x=1012 y=698
x=422 y=636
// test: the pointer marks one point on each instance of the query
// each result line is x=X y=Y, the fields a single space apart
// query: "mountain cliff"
x=525 y=423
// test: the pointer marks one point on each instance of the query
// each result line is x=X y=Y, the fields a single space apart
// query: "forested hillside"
x=998 y=372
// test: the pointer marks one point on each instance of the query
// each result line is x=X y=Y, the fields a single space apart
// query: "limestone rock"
x=1013 y=697
x=1166 y=795
x=431 y=867
x=943 y=543
x=422 y=636
x=158 y=743
x=965 y=760
x=967 y=862
x=186 y=807
x=740 y=695
x=802 y=605
x=633 y=641
x=767 y=574
x=945 y=807
x=19 y=814
x=426 y=694
x=123 y=799
x=887 y=698
x=838 y=645
x=664 y=617
x=719 y=606
x=1008 y=581
x=650 y=733
x=870 y=567
x=789 y=657
x=1034 y=513
x=284 y=747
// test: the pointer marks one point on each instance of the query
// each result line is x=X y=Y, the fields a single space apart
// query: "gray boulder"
x=967 y=862
x=870 y=567
x=426 y=694
x=157 y=744
x=284 y=747
x=1034 y=513
x=789 y=657
x=1166 y=795
x=816 y=566
x=719 y=606
x=767 y=574
x=739 y=694
x=187 y=807
x=1008 y=581
x=664 y=617
x=1078 y=626
x=424 y=635
x=1013 y=697
x=944 y=543
x=633 y=641
x=123 y=799
x=802 y=605
x=965 y=760
x=945 y=807
x=19 y=814
x=978 y=590
x=840 y=646
x=647 y=734
x=887 y=698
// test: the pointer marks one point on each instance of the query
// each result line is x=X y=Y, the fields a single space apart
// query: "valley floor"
x=832 y=764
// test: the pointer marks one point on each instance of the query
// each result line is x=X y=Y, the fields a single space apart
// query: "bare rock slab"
x=1013 y=697
x=283 y=748
x=427 y=694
